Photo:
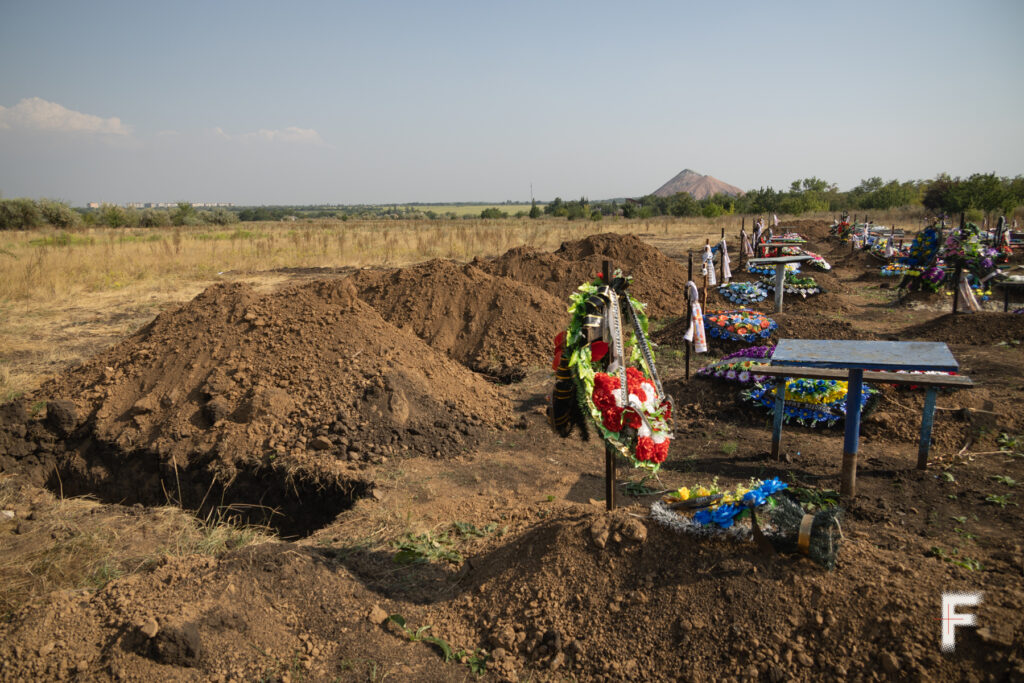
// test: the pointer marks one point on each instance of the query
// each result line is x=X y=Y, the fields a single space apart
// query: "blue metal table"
x=857 y=356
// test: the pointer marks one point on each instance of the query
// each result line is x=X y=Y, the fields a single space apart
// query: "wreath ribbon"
x=803 y=541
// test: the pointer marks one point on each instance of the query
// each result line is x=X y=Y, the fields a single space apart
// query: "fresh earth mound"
x=658 y=281
x=585 y=596
x=802 y=325
x=280 y=397
x=983 y=327
x=491 y=324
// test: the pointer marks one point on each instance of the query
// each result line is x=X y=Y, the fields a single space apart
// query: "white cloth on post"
x=708 y=265
x=695 y=332
x=963 y=291
x=726 y=273
x=747 y=249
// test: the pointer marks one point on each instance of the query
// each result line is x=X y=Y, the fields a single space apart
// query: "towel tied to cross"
x=695 y=332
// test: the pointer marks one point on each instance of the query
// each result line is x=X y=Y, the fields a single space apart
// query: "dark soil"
x=365 y=430
x=658 y=281
x=491 y=324
x=976 y=328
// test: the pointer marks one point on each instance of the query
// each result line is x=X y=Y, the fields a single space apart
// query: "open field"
x=334 y=417
x=472 y=209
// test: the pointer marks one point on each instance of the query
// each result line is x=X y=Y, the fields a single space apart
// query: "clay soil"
x=388 y=428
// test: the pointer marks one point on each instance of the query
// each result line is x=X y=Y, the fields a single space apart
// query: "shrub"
x=221 y=217
x=58 y=214
x=154 y=218
x=114 y=216
x=493 y=212
x=185 y=214
x=19 y=214
x=712 y=211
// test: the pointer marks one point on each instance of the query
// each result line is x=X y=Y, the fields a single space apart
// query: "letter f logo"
x=951 y=619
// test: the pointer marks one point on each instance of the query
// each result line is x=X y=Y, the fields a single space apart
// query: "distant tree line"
x=977 y=195
x=984 y=193
x=582 y=209
x=25 y=214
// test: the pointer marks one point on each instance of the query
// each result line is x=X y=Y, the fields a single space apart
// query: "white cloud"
x=290 y=135
x=38 y=114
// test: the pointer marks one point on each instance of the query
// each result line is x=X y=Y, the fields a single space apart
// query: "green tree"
x=578 y=210
x=986 y=191
x=946 y=195
x=556 y=208
x=683 y=204
x=493 y=212
x=58 y=214
x=184 y=214
x=1014 y=195
x=534 y=209
x=113 y=216
x=154 y=218
x=762 y=200
x=19 y=214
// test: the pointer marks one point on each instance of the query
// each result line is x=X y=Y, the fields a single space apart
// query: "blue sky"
x=379 y=102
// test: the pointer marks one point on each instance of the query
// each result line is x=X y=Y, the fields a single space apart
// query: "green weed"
x=1011 y=445
x=427 y=548
x=1002 y=501
x=104 y=574
x=954 y=558
x=476 y=660
x=468 y=530
x=1003 y=479
x=813 y=499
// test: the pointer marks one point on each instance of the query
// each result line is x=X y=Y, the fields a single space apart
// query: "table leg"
x=848 y=482
x=780 y=406
x=926 y=428
x=780 y=275
x=1006 y=299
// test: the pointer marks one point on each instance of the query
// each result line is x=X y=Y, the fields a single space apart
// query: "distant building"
x=170 y=205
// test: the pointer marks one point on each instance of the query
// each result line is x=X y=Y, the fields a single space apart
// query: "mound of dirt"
x=310 y=371
x=804 y=325
x=491 y=324
x=983 y=327
x=612 y=597
x=658 y=281
x=812 y=229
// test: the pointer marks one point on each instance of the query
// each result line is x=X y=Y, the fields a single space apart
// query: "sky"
x=381 y=102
